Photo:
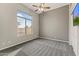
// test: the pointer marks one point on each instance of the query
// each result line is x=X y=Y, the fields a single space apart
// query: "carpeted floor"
x=44 y=47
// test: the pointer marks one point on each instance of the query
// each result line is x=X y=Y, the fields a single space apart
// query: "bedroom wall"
x=54 y=24
x=8 y=36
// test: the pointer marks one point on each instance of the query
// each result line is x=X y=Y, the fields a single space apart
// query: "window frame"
x=25 y=20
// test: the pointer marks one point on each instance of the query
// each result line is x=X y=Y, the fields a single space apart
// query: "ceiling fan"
x=41 y=7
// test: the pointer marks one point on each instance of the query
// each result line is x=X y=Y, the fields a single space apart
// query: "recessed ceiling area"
x=51 y=5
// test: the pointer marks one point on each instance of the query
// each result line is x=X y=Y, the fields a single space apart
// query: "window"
x=24 y=24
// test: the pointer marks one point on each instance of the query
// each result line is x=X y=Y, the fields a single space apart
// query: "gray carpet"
x=44 y=47
x=21 y=53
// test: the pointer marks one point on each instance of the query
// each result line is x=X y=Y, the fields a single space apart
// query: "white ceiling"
x=51 y=5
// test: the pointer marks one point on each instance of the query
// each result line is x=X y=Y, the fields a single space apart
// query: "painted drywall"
x=54 y=24
x=78 y=42
x=8 y=25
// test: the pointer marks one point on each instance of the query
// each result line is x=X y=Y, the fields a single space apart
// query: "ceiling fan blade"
x=47 y=7
x=36 y=10
x=34 y=6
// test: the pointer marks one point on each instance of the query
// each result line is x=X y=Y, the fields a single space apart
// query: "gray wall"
x=8 y=25
x=54 y=23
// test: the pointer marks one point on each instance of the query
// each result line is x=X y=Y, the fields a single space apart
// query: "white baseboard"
x=55 y=39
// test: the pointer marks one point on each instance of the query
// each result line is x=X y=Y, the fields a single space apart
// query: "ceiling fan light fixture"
x=42 y=7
